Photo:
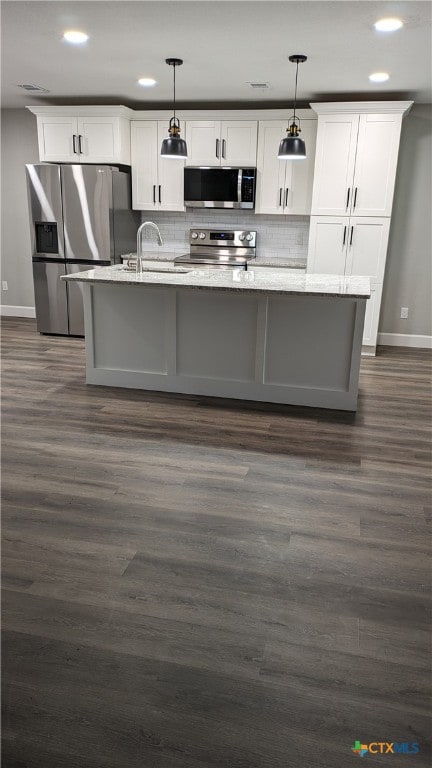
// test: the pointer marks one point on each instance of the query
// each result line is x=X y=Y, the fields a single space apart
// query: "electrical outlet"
x=4 y=285
x=404 y=313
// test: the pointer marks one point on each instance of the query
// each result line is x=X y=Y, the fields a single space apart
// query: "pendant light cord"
x=295 y=91
x=174 y=67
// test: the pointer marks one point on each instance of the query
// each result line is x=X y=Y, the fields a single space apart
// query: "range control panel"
x=238 y=238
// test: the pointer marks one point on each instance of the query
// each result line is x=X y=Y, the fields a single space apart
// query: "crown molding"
x=102 y=111
x=362 y=107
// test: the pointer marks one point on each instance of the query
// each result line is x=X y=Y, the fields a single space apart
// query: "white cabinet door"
x=170 y=193
x=203 y=142
x=372 y=314
x=375 y=167
x=327 y=245
x=56 y=139
x=99 y=139
x=270 y=171
x=144 y=148
x=367 y=247
x=334 y=165
x=239 y=143
x=299 y=174
x=284 y=186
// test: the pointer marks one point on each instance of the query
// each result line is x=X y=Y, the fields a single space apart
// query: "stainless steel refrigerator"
x=80 y=217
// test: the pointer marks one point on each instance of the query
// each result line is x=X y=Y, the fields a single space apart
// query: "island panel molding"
x=175 y=333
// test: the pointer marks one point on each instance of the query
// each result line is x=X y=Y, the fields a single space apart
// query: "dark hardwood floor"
x=197 y=583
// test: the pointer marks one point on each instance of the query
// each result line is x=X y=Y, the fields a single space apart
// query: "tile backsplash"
x=284 y=236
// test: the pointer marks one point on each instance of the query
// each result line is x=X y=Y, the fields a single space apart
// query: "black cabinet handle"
x=223 y=148
x=348 y=197
x=217 y=148
x=80 y=144
x=344 y=235
x=355 y=198
x=280 y=196
x=154 y=193
x=352 y=232
x=74 y=138
x=286 y=197
x=160 y=200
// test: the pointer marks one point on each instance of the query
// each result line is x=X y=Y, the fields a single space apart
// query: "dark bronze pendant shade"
x=293 y=147
x=174 y=146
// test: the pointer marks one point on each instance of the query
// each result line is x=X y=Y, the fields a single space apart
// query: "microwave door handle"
x=239 y=185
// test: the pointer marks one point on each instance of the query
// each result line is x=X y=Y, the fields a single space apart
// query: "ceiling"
x=225 y=45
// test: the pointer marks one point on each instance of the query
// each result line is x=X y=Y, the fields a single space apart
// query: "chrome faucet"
x=143 y=226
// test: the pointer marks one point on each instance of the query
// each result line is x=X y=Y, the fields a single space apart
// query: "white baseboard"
x=8 y=310
x=405 y=340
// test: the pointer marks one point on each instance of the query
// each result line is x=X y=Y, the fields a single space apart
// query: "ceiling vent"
x=259 y=85
x=37 y=88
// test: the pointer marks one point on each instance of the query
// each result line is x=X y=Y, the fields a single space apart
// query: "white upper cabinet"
x=83 y=134
x=284 y=186
x=57 y=137
x=239 y=143
x=203 y=142
x=356 y=159
x=334 y=164
x=103 y=140
x=226 y=142
x=270 y=187
x=375 y=167
x=157 y=182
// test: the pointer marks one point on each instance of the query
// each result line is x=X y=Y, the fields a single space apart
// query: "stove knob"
x=194 y=235
x=249 y=236
x=202 y=235
x=241 y=237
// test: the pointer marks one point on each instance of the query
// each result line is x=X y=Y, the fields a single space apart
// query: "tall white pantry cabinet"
x=355 y=170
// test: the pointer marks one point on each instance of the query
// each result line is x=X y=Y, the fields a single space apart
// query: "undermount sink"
x=175 y=270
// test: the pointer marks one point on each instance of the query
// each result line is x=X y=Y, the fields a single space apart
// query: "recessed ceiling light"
x=388 y=25
x=147 y=82
x=379 y=77
x=75 y=36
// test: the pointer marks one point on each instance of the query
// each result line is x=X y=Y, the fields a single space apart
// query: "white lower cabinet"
x=284 y=186
x=327 y=245
x=342 y=245
x=157 y=182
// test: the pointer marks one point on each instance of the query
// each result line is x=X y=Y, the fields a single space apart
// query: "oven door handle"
x=239 y=185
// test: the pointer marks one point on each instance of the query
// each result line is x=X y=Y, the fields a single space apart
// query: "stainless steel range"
x=220 y=249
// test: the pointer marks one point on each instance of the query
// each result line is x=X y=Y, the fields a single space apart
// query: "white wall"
x=18 y=147
x=408 y=279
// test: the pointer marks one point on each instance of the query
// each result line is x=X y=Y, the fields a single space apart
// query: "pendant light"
x=293 y=147
x=174 y=146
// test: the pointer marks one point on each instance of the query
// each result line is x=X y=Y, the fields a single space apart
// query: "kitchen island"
x=264 y=334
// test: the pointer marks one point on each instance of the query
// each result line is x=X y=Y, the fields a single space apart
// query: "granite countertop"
x=262 y=280
x=294 y=262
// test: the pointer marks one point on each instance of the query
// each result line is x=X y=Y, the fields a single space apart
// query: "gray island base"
x=261 y=335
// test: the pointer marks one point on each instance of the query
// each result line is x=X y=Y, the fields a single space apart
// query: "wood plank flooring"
x=197 y=583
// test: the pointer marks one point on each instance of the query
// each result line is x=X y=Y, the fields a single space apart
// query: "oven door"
x=213 y=187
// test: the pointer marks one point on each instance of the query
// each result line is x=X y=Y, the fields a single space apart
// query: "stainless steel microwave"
x=206 y=187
